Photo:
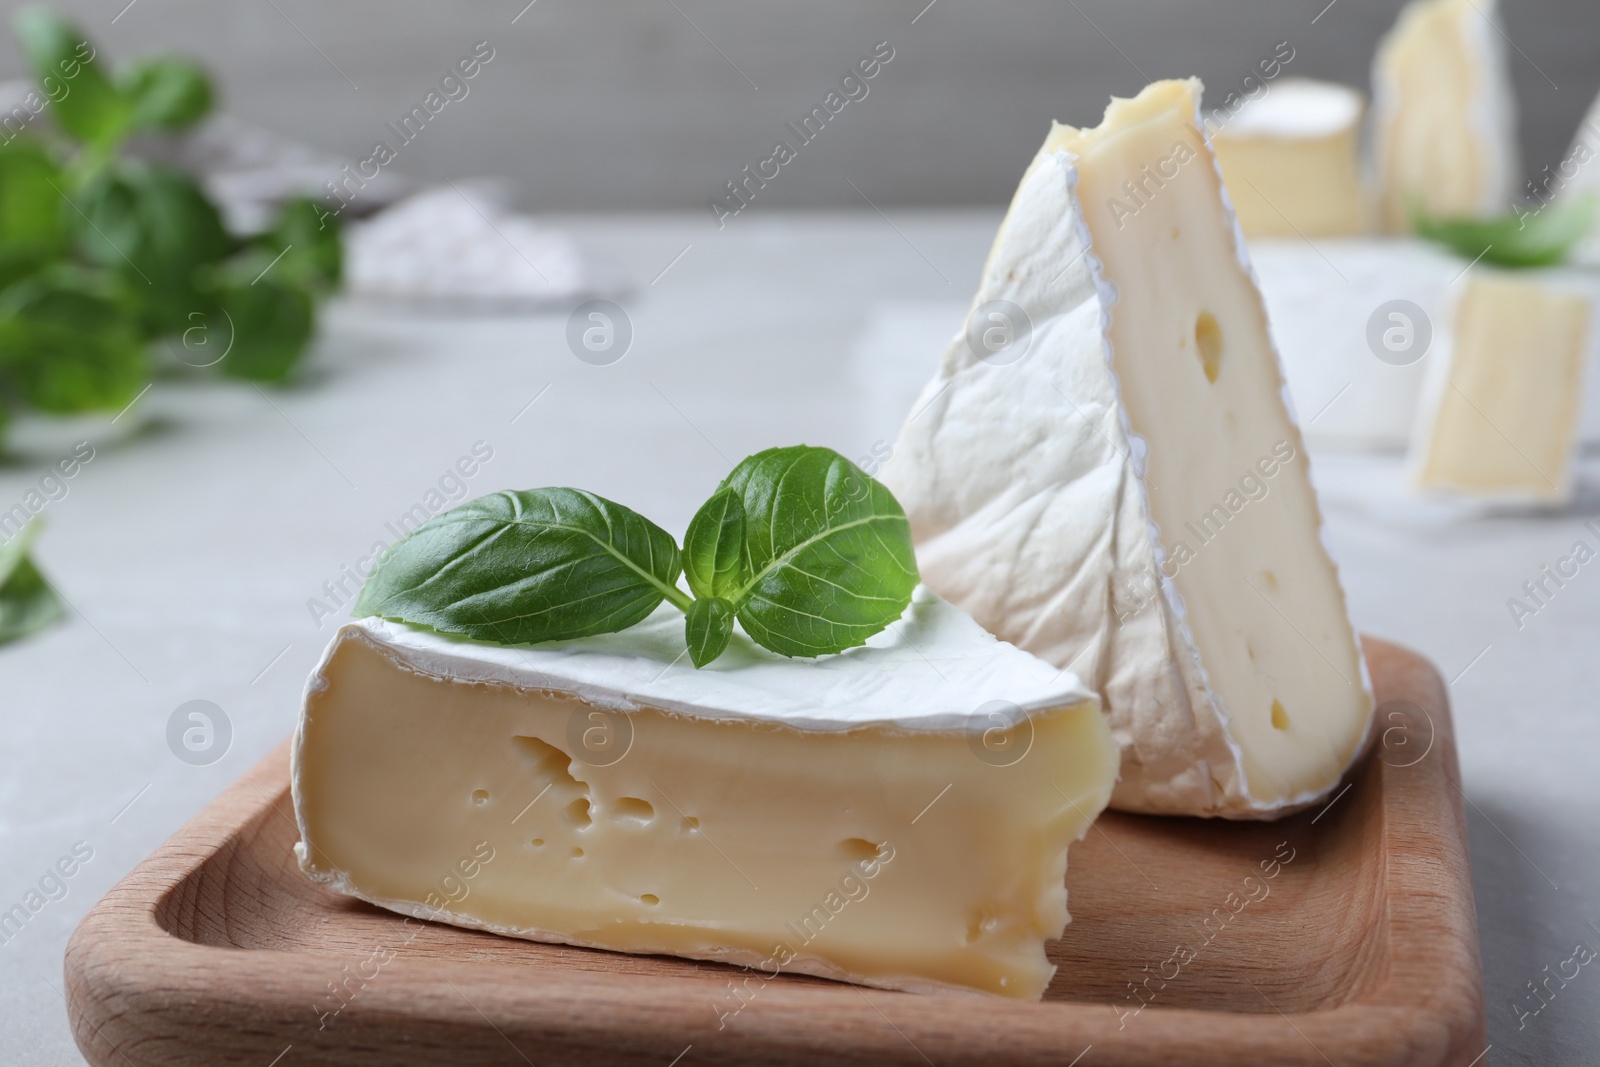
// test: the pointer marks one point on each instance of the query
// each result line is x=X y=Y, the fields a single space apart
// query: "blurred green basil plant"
x=103 y=256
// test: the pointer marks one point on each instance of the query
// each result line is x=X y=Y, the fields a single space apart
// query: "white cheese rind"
x=845 y=817
x=929 y=671
x=1296 y=108
x=1029 y=486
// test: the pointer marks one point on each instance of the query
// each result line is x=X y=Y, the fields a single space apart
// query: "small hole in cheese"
x=1208 y=339
x=690 y=824
x=480 y=796
x=858 y=848
x=578 y=812
x=538 y=842
x=649 y=898
x=577 y=853
x=634 y=808
x=1280 y=718
x=1269 y=580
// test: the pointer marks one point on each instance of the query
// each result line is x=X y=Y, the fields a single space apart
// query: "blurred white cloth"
x=459 y=244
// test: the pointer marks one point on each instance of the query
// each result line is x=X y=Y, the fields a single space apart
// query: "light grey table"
x=190 y=551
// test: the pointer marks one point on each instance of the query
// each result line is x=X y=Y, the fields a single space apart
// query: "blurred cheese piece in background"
x=1501 y=410
x=1291 y=161
x=1329 y=304
x=1357 y=372
x=1444 y=118
x=897 y=815
x=1104 y=472
x=1578 y=174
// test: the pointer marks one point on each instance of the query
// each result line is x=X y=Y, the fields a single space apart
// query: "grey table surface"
x=193 y=546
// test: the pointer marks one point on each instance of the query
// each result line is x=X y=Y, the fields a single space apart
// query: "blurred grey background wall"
x=654 y=104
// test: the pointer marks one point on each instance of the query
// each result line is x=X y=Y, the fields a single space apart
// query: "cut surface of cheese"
x=1444 y=126
x=897 y=815
x=1291 y=161
x=1124 y=492
x=1501 y=410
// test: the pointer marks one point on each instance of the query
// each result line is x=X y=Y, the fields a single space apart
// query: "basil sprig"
x=106 y=260
x=808 y=553
x=1541 y=237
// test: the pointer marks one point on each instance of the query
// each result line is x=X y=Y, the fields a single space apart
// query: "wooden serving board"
x=1344 y=935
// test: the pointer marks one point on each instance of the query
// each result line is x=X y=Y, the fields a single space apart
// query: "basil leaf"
x=83 y=101
x=67 y=348
x=33 y=223
x=827 y=548
x=713 y=546
x=156 y=228
x=530 y=566
x=271 y=324
x=166 y=93
x=27 y=603
x=707 y=626
x=305 y=242
x=1538 y=238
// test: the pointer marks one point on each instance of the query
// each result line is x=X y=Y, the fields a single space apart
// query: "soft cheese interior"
x=1501 y=410
x=1129 y=496
x=897 y=815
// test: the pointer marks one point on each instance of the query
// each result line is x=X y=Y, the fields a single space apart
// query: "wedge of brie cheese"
x=897 y=815
x=1291 y=160
x=1500 y=414
x=1104 y=472
x=1444 y=119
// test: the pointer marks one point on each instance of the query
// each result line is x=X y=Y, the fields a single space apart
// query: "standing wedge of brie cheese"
x=896 y=815
x=1292 y=161
x=1500 y=412
x=1122 y=490
x=1444 y=120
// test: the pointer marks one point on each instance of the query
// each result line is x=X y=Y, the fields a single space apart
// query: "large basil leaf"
x=713 y=546
x=83 y=101
x=827 y=548
x=1539 y=238
x=27 y=603
x=166 y=93
x=529 y=566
